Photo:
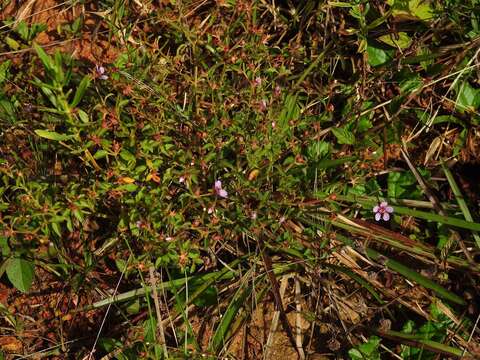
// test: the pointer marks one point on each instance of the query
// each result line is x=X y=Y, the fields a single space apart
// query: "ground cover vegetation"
x=239 y=179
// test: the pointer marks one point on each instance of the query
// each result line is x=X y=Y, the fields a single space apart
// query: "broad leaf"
x=468 y=98
x=52 y=135
x=4 y=73
x=412 y=9
x=403 y=41
x=81 y=90
x=45 y=58
x=344 y=136
x=377 y=55
x=20 y=273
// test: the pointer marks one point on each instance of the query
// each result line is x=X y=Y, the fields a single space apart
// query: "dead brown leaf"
x=10 y=344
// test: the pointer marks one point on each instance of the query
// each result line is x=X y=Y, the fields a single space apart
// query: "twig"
x=301 y=353
x=438 y=207
x=431 y=196
x=90 y=355
x=276 y=293
x=274 y=324
x=153 y=284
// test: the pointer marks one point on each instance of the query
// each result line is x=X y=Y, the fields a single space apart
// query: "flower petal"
x=386 y=216
x=218 y=184
x=378 y=216
x=383 y=204
x=376 y=208
x=389 y=209
x=222 y=193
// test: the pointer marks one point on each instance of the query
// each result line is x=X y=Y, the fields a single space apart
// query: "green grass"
x=109 y=161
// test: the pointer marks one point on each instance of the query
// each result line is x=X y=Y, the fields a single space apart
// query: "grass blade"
x=414 y=276
x=417 y=341
x=460 y=200
x=223 y=274
x=367 y=202
x=233 y=308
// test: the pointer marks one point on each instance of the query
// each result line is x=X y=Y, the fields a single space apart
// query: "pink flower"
x=258 y=81
x=218 y=189
x=101 y=72
x=262 y=105
x=277 y=91
x=382 y=211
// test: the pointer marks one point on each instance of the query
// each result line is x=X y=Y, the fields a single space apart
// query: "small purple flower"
x=277 y=91
x=101 y=72
x=258 y=81
x=382 y=211
x=218 y=189
x=262 y=105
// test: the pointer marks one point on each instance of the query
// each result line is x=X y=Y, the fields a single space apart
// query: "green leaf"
x=83 y=116
x=367 y=350
x=20 y=273
x=209 y=297
x=121 y=265
x=468 y=98
x=12 y=44
x=291 y=110
x=127 y=187
x=44 y=58
x=100 y=154
x=7 y=110
x=109 y=344
x=344 y=136
x=52 y=135
x=149 y=329
x=77 y=24
x=56 y=228
x=410 y=82
x=414 y=9
x=403 y=184
x=364 y=124
x=4 y=247
x=378 y=55
x=36 y=29
x=81 y=90
x=4 y=66
x=329 y=163
x=403 y=41
x=421 y=9
x=134 y=307
x=127 y=156
x=22 y=30
x=318 y=150
x=59 y=74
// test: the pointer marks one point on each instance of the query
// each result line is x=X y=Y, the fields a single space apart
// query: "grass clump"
x=207 y=180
